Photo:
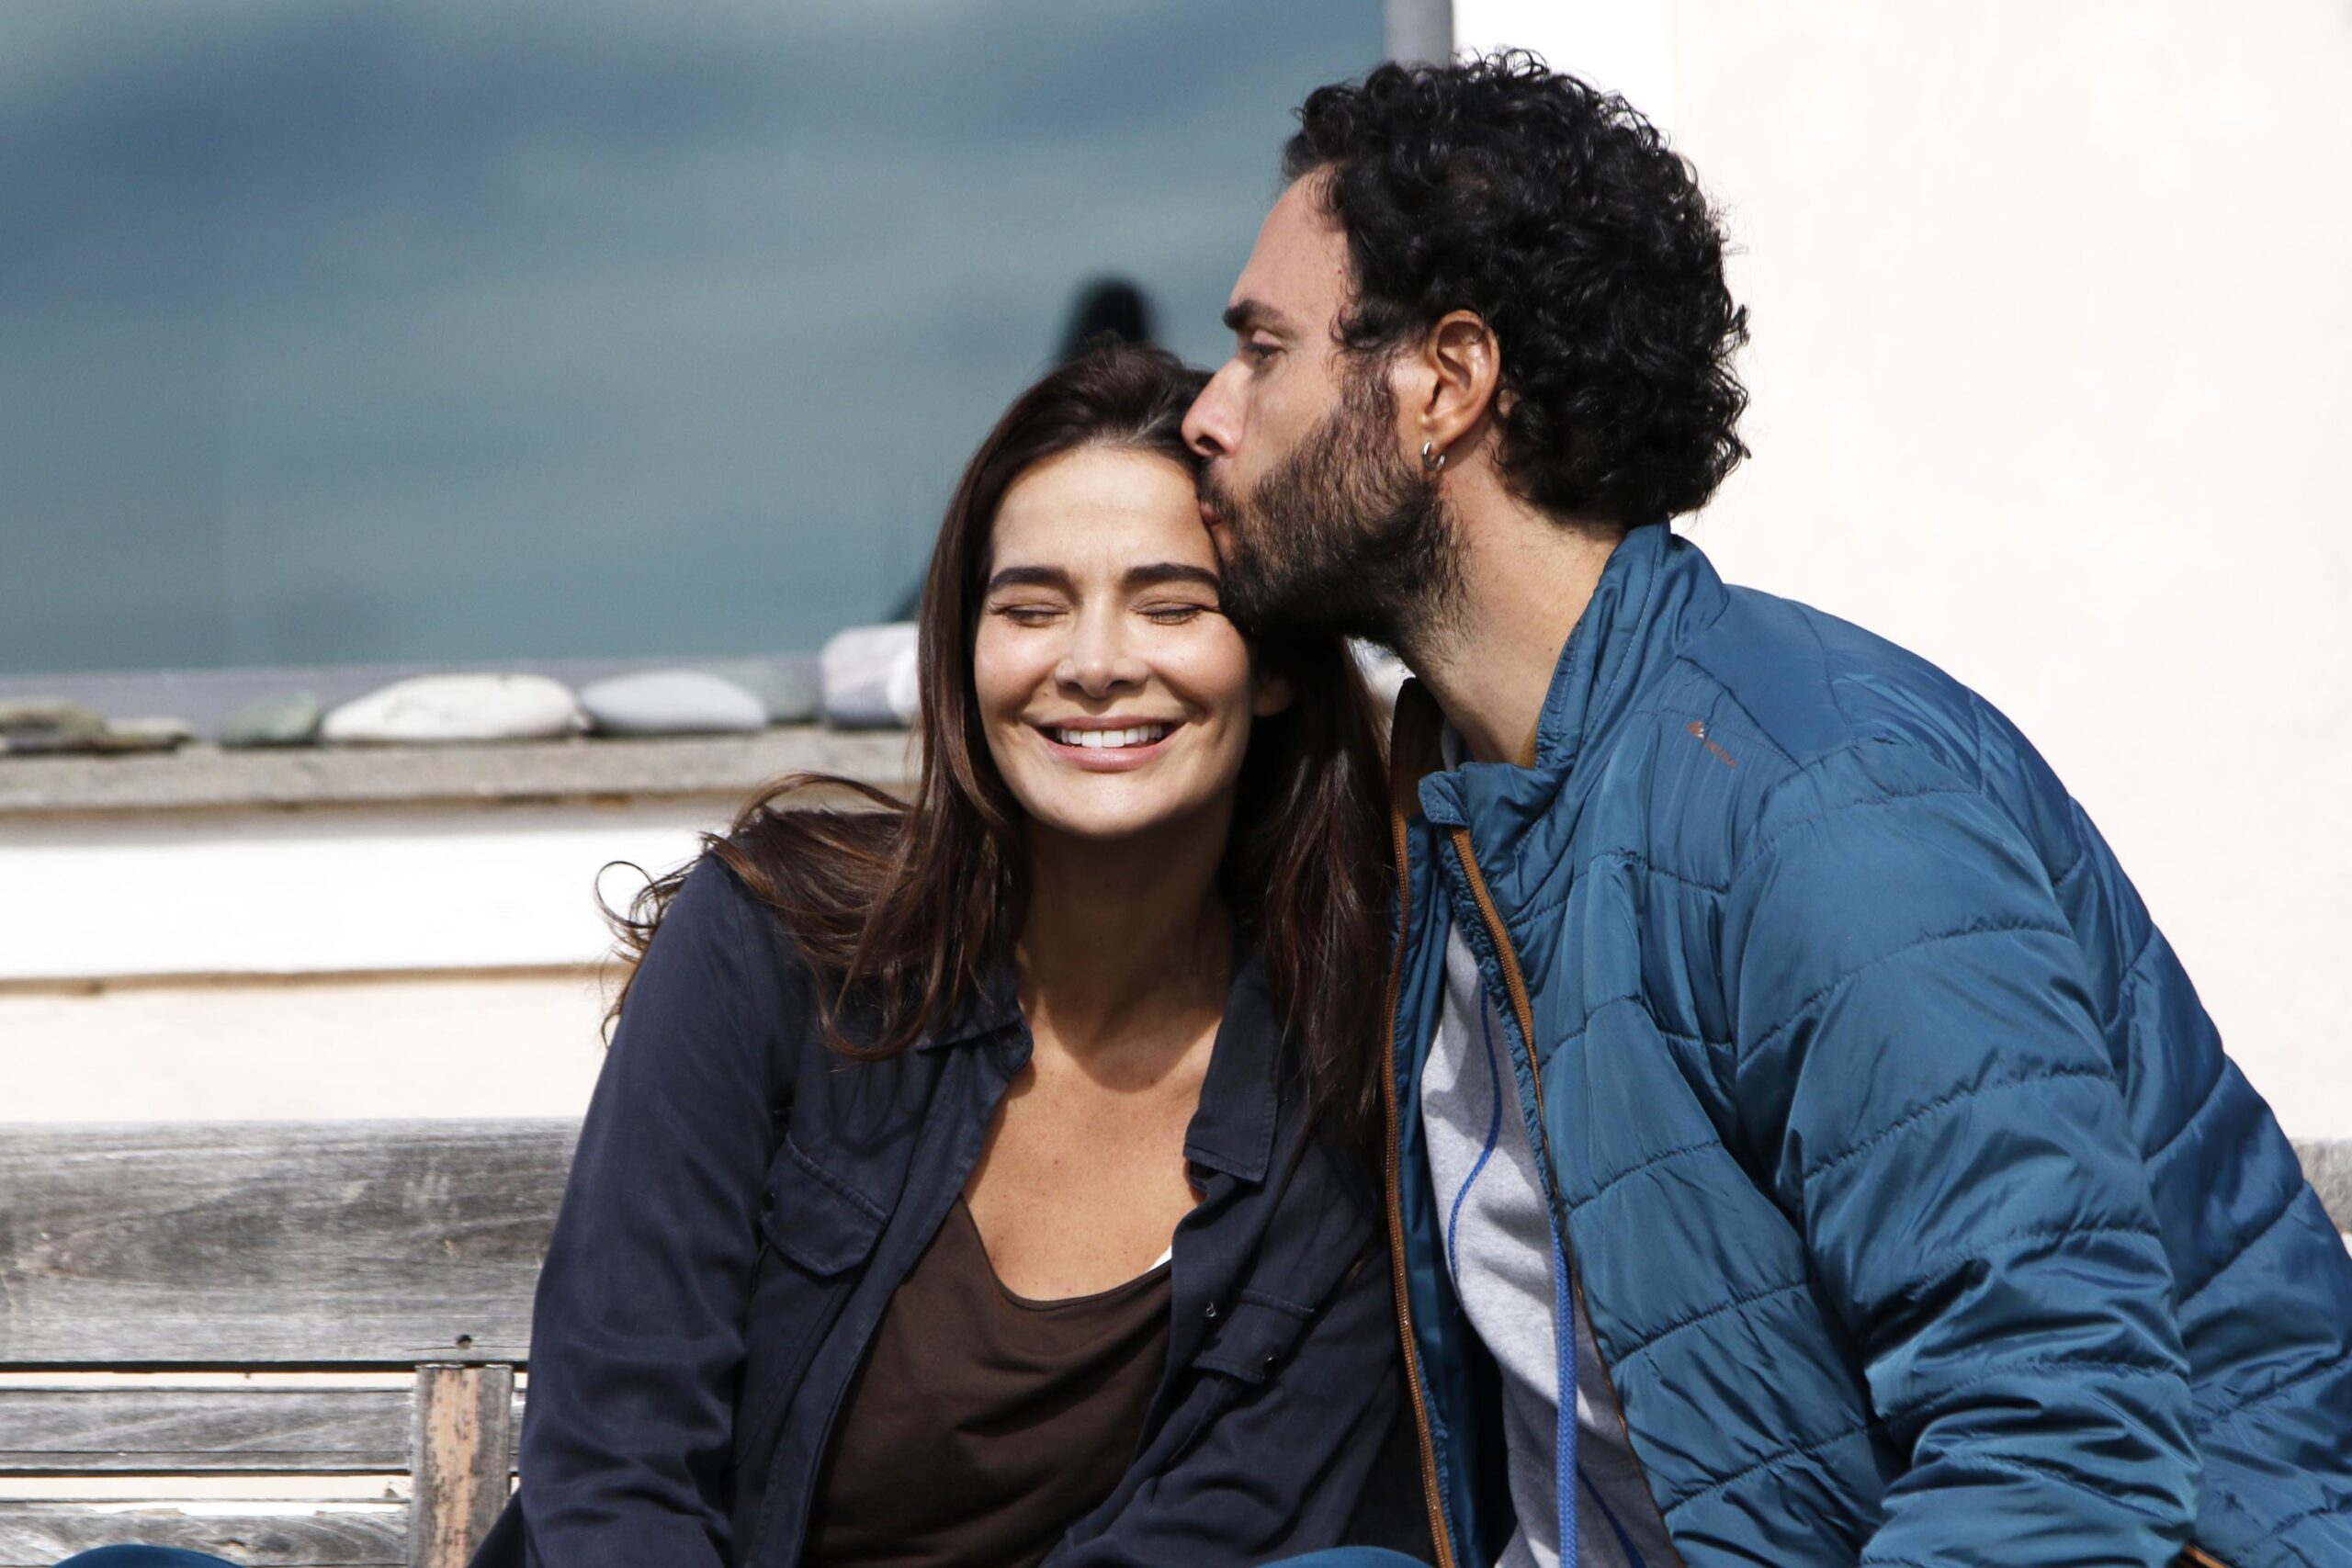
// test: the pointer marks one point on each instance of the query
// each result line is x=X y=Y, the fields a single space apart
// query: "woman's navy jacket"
x=744 y=1202
x=1919 y=1216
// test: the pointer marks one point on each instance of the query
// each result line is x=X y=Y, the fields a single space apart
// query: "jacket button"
x=1210 y=1310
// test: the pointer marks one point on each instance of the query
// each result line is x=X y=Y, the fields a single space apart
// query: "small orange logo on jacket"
x=1699 y=728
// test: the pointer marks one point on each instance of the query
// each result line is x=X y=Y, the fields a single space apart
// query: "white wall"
x=410 y=962
x=2052 y=313
x=343 y=890
x=1625 y=46
x=489 y=1045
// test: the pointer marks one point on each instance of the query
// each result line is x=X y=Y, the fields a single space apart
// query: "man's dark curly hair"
x=1559 y=215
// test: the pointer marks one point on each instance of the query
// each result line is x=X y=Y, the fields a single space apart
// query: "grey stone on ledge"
x=206 y=778
x=206 y=698
x=284 y=718
x=2327 y=1164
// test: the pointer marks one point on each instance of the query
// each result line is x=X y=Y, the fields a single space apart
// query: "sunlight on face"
x=1116 y=695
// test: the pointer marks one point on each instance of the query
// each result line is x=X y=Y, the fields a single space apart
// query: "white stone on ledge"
x=439 y=709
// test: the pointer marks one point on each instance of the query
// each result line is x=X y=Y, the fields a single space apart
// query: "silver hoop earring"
x=1433 y=460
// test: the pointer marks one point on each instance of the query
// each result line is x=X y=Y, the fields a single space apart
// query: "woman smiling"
x=971 y=1180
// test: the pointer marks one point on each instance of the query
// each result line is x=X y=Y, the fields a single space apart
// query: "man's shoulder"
x=1810 y=686
x=1802 y=714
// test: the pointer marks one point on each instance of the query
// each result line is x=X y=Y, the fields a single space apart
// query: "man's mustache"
x=1217 y=504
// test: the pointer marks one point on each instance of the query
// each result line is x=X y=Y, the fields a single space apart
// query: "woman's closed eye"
x=1175 y=612
x=1028 y=611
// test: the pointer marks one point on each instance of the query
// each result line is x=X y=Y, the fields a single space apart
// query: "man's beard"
x=1346 y=537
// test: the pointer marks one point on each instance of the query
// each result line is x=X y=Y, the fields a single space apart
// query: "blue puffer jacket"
x=1919 y=1217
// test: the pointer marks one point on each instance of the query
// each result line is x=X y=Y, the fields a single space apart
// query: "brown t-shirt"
x=984 y=1424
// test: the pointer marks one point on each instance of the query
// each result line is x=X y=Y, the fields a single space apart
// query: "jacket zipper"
x=2195 y=1556
x=1432 y=1496
x=1507 y=958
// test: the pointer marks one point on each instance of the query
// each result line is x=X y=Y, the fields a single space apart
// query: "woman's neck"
x=1124 y=940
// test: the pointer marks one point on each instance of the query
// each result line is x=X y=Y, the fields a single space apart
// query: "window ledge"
x=206 y=778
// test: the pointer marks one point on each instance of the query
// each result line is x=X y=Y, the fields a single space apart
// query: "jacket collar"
x=1654 y=588
x=990 y=1010
x=1241 y=1094
x=1233 y=1129
x=1603 y=647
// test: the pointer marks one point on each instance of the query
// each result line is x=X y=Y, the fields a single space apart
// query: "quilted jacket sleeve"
x=1920 y=1068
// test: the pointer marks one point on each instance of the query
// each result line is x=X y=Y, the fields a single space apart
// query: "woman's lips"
x=1106 y=758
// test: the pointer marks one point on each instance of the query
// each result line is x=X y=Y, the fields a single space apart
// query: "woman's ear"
x=1270 y=693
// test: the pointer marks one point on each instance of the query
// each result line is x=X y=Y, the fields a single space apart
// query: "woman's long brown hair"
x=902 y=908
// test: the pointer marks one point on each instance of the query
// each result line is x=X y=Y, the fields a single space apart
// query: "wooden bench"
x=275 y=1248
x=270 y=1248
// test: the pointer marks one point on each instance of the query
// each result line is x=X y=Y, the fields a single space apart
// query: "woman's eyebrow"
x=1152 y=574
x=1162 y=573
x=1032 y=577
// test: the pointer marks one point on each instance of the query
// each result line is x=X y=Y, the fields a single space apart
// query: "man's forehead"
x=1298 y=270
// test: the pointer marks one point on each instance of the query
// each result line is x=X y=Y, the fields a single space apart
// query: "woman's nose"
x=1100 y=659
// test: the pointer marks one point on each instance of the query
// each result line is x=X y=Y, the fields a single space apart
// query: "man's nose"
x=1209 y=424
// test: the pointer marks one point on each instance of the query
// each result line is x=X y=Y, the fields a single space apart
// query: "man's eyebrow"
x=1166 y=571
x=1243 y=315
x=1030 y=577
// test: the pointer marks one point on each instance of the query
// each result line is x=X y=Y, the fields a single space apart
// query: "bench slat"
x=38 y=1535
x=211 y=1431
x=274 y=1243
x=199 y=1431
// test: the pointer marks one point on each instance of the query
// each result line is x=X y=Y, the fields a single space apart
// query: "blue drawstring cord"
x=1567 y=1472
x=1564 y=1473
x=1494 y=1136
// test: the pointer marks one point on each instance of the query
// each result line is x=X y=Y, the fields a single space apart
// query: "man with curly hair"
x=1802 y=1147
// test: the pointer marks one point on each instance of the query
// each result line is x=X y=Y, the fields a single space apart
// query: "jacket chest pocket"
x=816 y=1233
x=814 y=1218
x=1252 y=1339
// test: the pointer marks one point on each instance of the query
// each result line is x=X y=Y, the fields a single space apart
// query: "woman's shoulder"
x=715 y=921
x=782 y=899
x=782 y=823
x=775 y=859
x=714 y=902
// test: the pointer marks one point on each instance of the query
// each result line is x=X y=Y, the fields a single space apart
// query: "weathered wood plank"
x=260 y=1244
x=206 y=1431
x=38 y=1535
x=463 y=1438
x=203 y=1431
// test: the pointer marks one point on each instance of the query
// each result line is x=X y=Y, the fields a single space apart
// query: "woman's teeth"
x=1141 y=734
